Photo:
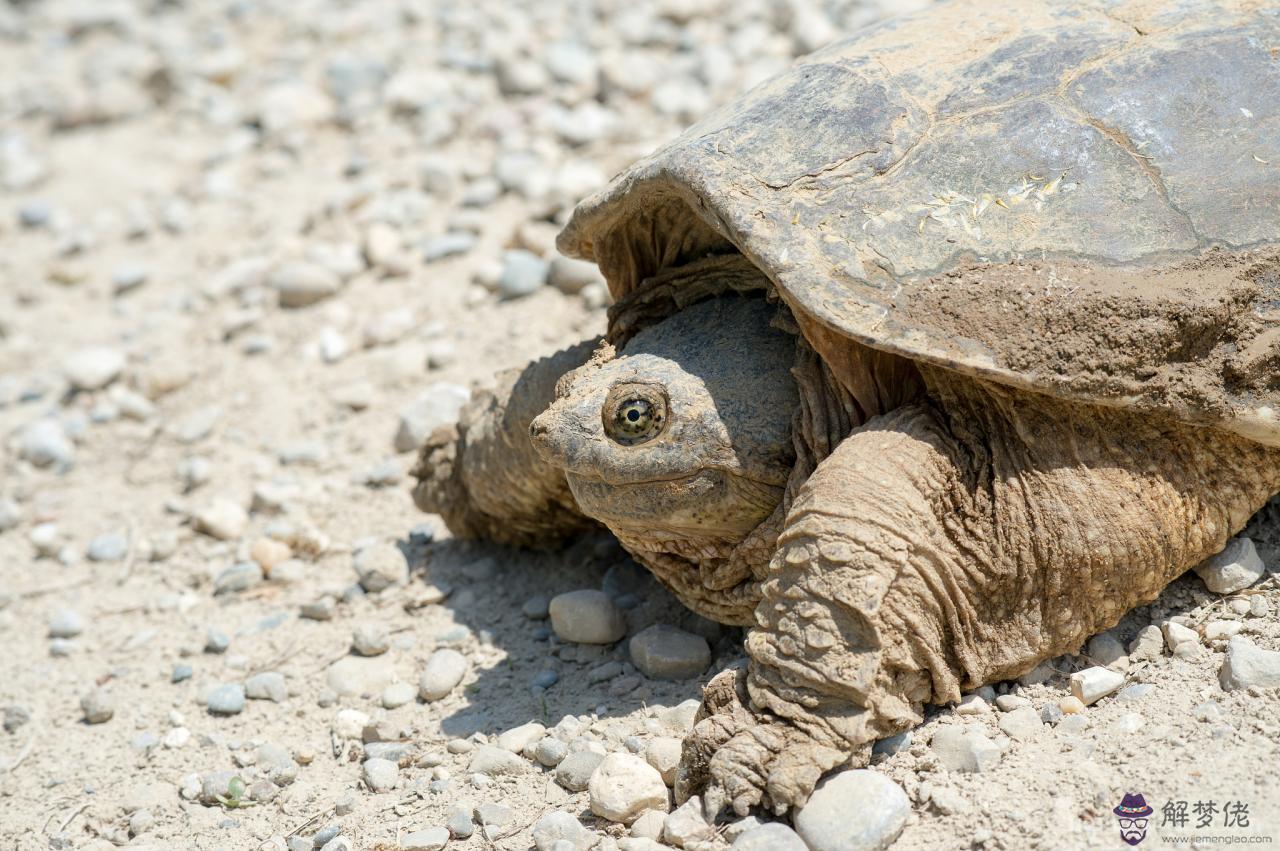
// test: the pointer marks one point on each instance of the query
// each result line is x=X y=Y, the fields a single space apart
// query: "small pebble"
x=226 y=699
x=98 y=706
x=443 y=672
x=65 y=623
x=667 y=653
x=1234 y=569
x=370 y=639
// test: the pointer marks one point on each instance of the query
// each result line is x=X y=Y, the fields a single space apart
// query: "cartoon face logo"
x=1133 y=814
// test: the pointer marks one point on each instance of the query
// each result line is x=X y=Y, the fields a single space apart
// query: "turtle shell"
x=1077 y=199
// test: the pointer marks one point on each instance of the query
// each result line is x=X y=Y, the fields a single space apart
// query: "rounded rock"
x=381 y=775
x=859 y=810
x=398 y=694
x=370 y=639
x=444 y=670
x=94 y=367
x=380 y=566
x=664 y=652
x=586 y=617
x=773 y=836
x=98 y=706
x=226 y=699
x=624 y=786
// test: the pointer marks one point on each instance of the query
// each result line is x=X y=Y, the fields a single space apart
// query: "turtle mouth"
x=707 y=505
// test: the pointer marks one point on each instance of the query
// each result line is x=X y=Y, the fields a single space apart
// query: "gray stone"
x=268 y=685
x=318 y=610
x=226 y=699
x=444 y=670
x=65 y=623
x=15 y=717
x=45 y=443
x=536 y=607
x=438 y=405
x=859 y=810
x=773 y=836
x=663 y=753
x=380 y=566
x=381 y=775
x=891 y=745
x=1106 y=650
x=575 y=770
x=545 y=679
x=301 y=283
x=181 y=672
x=98 y=706
x=1234 y=569
x=1248 y=666
x=370 y=639
x=94 y=367
x=216 y=641
x=238 y=577
x=571 y=276
x=110 y=546
x=964 y=750
x=586 y=617
x=623 y=786
x=448 y=245
x=492 y=761
x=127 y=278
x=666 y=653
x=523 y=273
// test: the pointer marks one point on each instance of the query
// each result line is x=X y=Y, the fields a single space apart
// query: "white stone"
x=685 y=825
x=302 y=283
x=269 y=685
x=398 y=694
x=1234 y=569
x=1248 y=665
x=491 y=760
x=1175 y=634
x=1021 y=723
x=380 y=566
x=560 y=827
x=222 y=519
x=370 y=639
x=1221 y=630
x=381 y=775
x=774 y=836
x=586 y=617
x=859 y=810
x=352 y=676
x=623 y=786
x=444 y=670
x=518 y=738
x=1093 y=684
x=663 y=753
x=428 y=839
x=973 y=704
x=964 y=750
x=45 y=443
x=94 y=367
x=438 y=405
x=349 y=723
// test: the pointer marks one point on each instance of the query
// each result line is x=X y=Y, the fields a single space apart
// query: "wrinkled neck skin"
x=696 y=496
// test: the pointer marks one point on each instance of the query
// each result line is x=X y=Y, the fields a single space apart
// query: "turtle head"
x=684 y=435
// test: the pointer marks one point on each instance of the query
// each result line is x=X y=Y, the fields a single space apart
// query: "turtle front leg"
x=483 y=475
x=953 y=542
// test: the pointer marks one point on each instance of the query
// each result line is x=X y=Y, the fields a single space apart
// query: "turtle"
x=929 y=358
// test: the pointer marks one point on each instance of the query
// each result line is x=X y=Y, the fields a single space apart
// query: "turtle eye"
x=634 y=414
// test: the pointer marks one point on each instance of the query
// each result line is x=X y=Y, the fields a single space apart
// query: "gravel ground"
x=252 y=253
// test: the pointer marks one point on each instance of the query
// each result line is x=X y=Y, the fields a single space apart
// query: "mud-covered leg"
x=483 y=475
x=954 y=542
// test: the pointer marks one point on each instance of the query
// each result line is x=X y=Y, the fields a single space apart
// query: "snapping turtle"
x=930 y=358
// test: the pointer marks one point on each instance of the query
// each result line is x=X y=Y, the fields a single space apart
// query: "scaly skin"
x=483 y=475
x=956 y=541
